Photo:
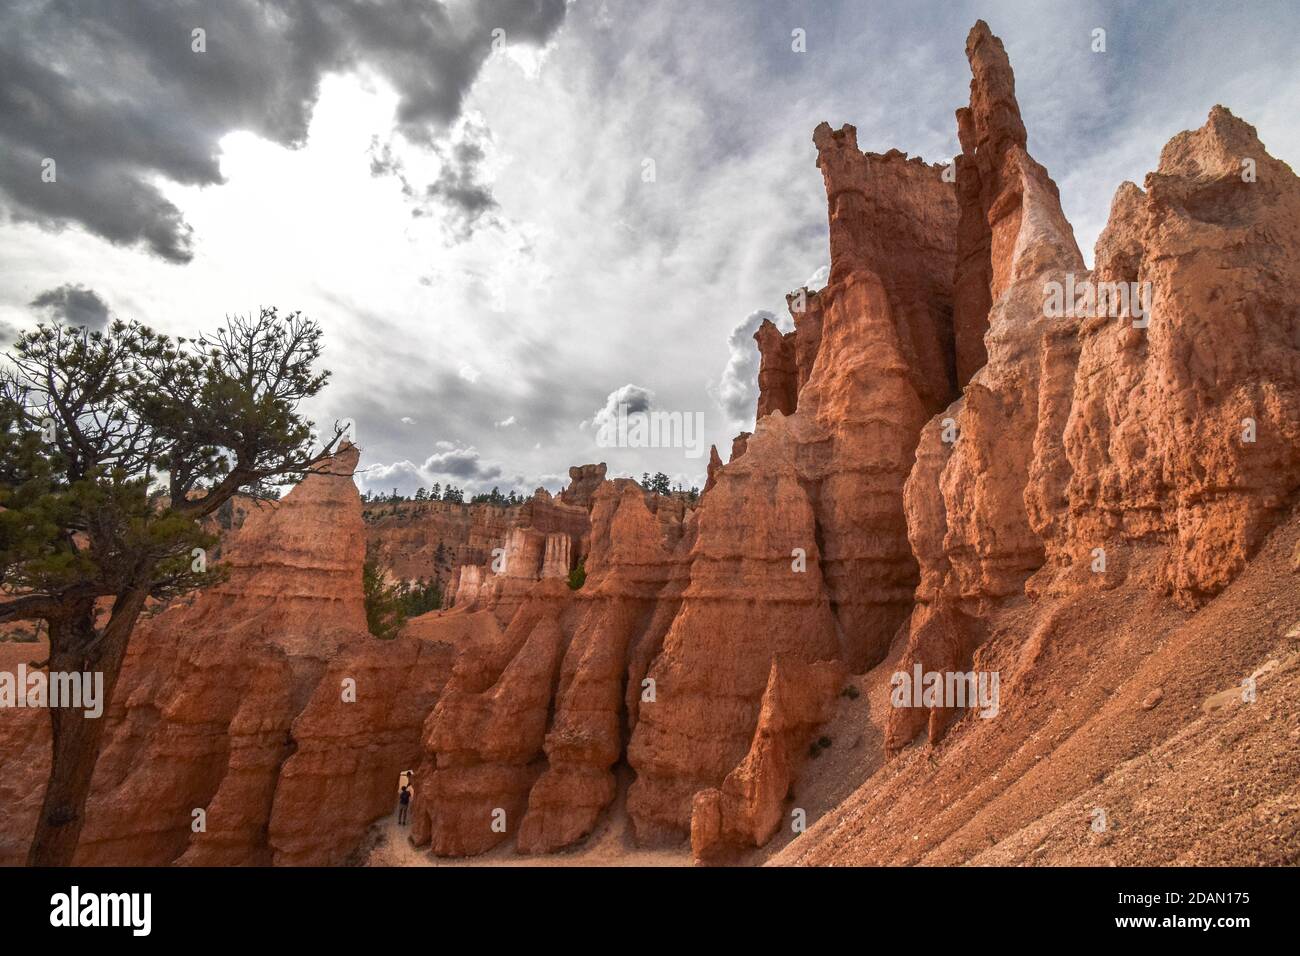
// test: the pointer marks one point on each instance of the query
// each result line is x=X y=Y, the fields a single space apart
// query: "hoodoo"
x=1084 y=519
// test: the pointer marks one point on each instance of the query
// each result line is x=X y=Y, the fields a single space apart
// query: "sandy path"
x=609 y=845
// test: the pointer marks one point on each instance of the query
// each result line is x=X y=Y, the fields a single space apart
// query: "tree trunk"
x=76 y=737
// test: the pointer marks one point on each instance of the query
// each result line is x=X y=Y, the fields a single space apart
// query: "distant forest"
x=659 y=483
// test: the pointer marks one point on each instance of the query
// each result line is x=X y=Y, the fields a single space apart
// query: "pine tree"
x=116 y=446
x=385 y=613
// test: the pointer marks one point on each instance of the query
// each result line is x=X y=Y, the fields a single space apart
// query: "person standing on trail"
x=403 y=804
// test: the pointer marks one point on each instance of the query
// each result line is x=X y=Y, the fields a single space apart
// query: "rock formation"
x=778 y=374
x=749 y=806
x=494 y=768
x=584 y=480
x=1182 y=446
x=968 y=517
x=797 y=557
x=1126 y=437
x=543 y=538
x=948 y=473
x=262 y=702
x=428 y=540
x=738 y=446
x=715 y=466
x=805 y=306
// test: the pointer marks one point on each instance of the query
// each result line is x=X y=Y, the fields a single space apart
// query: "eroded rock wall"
x=1183 y=439
x=935 y=450
x=524 y=743
x=263 y=702
x=1147 y=432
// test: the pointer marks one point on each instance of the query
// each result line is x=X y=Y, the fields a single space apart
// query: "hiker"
x=404 y=803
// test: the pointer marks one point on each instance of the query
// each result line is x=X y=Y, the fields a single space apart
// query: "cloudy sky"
x=508 y=214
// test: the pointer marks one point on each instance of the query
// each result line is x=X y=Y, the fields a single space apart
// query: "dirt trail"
x=609 y=845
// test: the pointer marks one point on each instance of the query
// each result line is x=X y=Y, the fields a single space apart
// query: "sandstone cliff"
x=257 y=721
x=432 y=539
x=932 y=448
x=796 y=559
x=526 y=737
x=1156 y=443
x=1106 y=518
x=1096 y=505
x=427 y=540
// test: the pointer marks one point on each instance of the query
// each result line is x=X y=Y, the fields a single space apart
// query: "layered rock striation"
x=257 y=721
x=1134 y=423
x=971 y=454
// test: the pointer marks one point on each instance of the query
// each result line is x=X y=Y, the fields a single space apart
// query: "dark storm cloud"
x=73 y=305
x=457 y=184
x=449 y=465
x=465 y=463
x=457 y=191
x=113 y=92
